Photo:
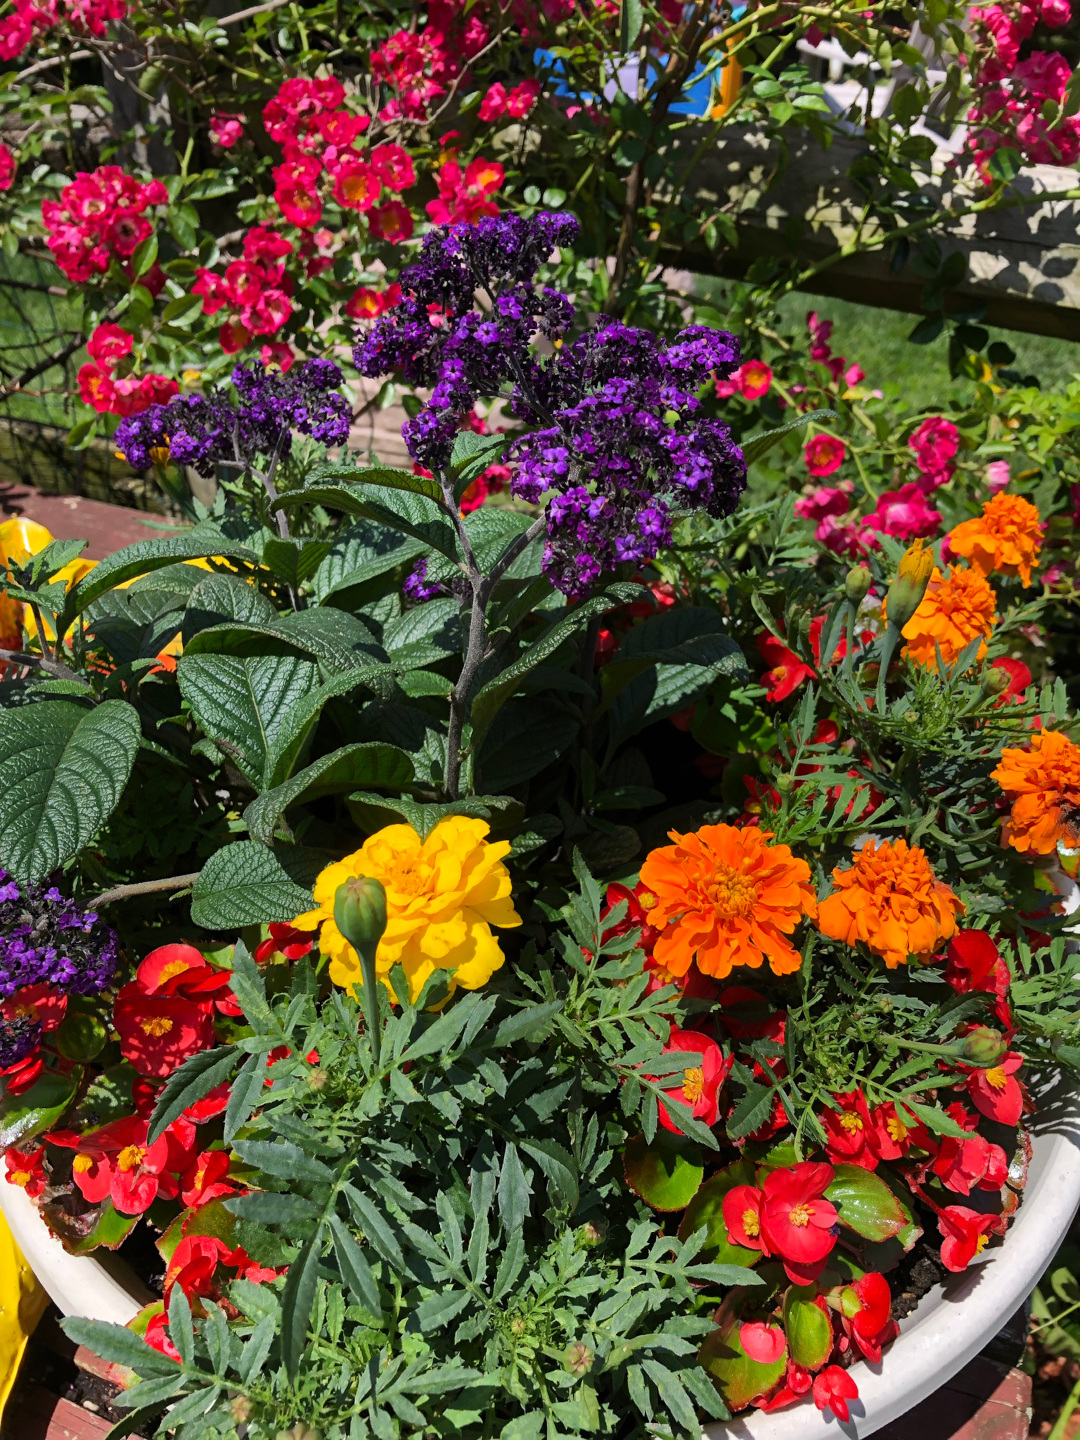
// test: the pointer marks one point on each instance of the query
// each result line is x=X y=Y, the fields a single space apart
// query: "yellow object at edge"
x=22 y=1303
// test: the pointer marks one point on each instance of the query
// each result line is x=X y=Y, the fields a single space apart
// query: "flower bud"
x=857 y=584
x=785 y=783
x=317 y=1080
x=360 y=912
x=983 y=1046
x=591 y=1234
x=995 y=681
x=912 y=577
x=578 y=1358
x=80 y=1036
x=240 y=1409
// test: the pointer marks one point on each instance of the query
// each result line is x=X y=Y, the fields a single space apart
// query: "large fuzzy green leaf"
x=353 y=767
x=63 y=768
x=247 y=884
x=140 y=559
x=251 y=706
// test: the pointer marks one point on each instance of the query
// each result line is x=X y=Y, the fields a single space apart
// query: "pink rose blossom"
x=935 y=443
x=997 y=475
x=824 y=454
x=826 y=500
x=905 y=514
x=226 y=130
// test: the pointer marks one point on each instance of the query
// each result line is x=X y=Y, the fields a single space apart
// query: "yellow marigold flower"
x=1043 y=783
x=890 y=900
x=955 y=609
x=443 y=895
x=726 y=897
x=1006 y=538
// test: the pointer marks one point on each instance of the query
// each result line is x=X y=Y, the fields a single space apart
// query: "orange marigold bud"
x=912 y=577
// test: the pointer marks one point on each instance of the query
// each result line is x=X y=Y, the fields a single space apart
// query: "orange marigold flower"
x=955 y=609
x=1043 y=783
x=890 y=901
x=1006 y=537
x=727 y=897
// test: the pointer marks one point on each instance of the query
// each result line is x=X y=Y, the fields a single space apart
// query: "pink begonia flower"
x=824 y=454
x=905 y=514
x=226 y=129
x=997 y=475
x=826 y=500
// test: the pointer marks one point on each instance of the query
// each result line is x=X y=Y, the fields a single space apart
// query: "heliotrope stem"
x=476 y=647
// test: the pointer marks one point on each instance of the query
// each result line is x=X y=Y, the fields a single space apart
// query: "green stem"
x=369 y=1002
x=888 y=647
x=1061 y=1424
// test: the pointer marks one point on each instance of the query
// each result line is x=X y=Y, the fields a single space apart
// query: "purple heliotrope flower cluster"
x=45 y=938
x=616 y=432
x=205 y=431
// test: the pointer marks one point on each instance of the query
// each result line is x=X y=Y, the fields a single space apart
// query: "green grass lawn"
x=877 y=340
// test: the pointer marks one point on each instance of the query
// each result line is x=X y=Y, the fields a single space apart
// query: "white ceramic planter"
x=86 y=1285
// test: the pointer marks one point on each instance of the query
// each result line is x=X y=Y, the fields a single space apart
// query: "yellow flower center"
x=898 y=1131
x=996 y=1077
x=981 y=1244
x=647 y=901
x=82 y=1163
x=26 y=1012
x=20 y=1177
x=131 y=1157
x=731 y=893
x=850 y=1121
x=800 y=1215
x=174 y=967
x=693 y=1084
x=157 y=1025
x=750 y=1223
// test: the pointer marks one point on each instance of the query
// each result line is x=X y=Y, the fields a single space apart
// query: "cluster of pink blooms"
x=465 y=195
x=418 y=67
x=112 y=394
x=226 y=128
x=752 y=380
x=367 y=304
x=906 y=513
x=1012 y=95
x=515 y=104
x=7 y=167
x=101 y=217
x=255 y=288
x=309 y=120
x=34 y=18
x=821 y=351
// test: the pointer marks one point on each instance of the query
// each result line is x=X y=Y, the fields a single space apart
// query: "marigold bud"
x=912 y=577
x=578 y=1358
x=857 y=584
x=317 y=1079
x=360 y=912
x=240 y=1409
x=591 y=1234
x=983 y=1046
x=995 y=681
x=785 y=783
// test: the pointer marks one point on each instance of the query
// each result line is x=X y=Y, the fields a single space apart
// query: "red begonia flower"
x=972 y=1162
x=849 y=1129
x=966 y=1234
x=159 y=1032
x=26 y=1169
x=700 y=1084
x=763 y=1343
x=797 y=1222
x=786 y=671
x=866 y=1314
x=833 y=1388
x=742 y=1216
x=996 y=1092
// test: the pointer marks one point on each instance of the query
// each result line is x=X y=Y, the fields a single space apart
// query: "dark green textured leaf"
x=140 y=559
x=64 y=769
x=353 y=767
x=246 y=884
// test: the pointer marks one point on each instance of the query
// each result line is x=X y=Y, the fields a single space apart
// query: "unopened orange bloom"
x=1005 y=538
x=1043 y=783
x=956 y=609
x=726 y=897
x=890 y=900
